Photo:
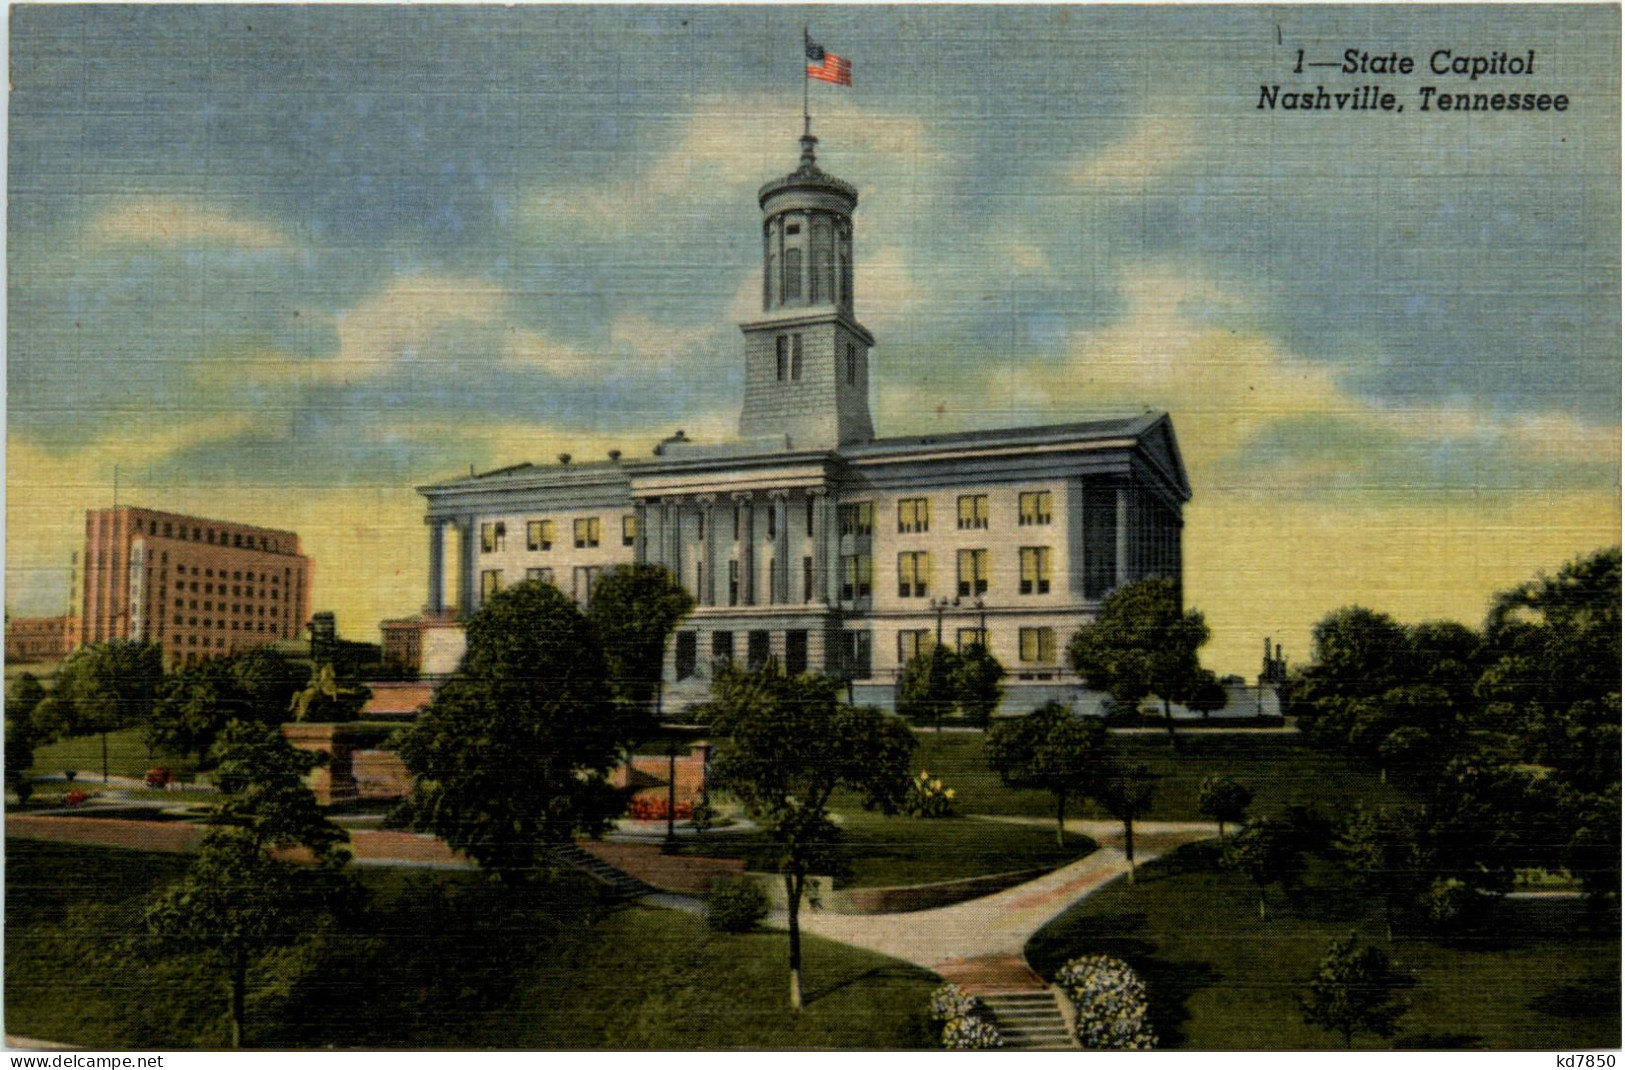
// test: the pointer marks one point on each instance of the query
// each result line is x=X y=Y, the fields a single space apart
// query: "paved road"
x=1001 y=924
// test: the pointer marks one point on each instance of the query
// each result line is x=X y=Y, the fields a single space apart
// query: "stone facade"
x=810 y=540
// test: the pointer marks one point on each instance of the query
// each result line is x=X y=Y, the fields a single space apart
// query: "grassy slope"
x=884 y=851
x=1221 y=979
x=1281 y=769
x=126 y=756
x=444 y=960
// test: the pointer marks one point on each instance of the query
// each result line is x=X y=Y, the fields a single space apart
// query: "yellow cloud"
x=167 y=222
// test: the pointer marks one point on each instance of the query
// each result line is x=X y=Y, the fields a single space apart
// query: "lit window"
x=544 y=575
x=972 y=572
x=1038 y=645
x=1035 y=508
x=1035 y=570
x=914 y=515
x=587 y=532
x=858 y=518
x=539 y=535
x=969 y=637
x=913 y=575
x=493 y=537
x=972 y=511
x=629 y=530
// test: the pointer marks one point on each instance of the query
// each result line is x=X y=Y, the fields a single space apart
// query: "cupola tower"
x=806 y=356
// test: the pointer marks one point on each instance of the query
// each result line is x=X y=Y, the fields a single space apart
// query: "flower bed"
x=966 y=1023
x=1109 y=999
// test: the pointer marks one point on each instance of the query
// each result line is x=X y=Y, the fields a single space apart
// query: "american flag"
x=827 y=66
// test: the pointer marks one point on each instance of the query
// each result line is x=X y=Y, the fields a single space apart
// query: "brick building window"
x=858 y=518
x=857 y=576
x=587 y=532
x=493 y=537
x=687 y=654
x=914 y=515
x=913 y=575
x=1038 y=646
x=539 y=535
x=856 y=655
x=629 y=530
x=722 y=647
x=911 y=643
x=969 y=637
x=545 y=575
x=972 y=512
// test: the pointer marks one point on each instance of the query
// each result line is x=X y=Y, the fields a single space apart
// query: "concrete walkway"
x=998 y=926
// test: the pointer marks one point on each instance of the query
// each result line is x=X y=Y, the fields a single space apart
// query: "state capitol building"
x=808 y=538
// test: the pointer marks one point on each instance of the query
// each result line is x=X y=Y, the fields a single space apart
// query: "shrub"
x=1449 y=905
x=966 y=1024
x=656 y=808
x=1109 y=998
x=928 y=798
x=735 y=905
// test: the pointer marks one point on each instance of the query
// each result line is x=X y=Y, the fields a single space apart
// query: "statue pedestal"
x=334 y=783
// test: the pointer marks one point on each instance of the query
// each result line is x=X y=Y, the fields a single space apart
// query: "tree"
x=1051 y=749
x=634 y=610
x=237 y=902
x=1354 y=991
x=1126 y=794
x=514 y=752
x=1143 y=643
x=1268 y=853
x=1223 y=799
x=101 y=688
x=195 y=703
x=925 y=695
x=26 y=693
x=785 y=745
x=976 y=686
x=1384 y=851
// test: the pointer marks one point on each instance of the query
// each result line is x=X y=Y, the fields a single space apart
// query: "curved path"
x=995 y=928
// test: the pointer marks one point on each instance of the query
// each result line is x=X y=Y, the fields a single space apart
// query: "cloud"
x=729 y=145
x=156 y=223
x=660 y=343
x=1151 y=147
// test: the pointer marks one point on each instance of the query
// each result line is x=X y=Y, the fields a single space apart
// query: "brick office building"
x=40 y=639
x=199 y=588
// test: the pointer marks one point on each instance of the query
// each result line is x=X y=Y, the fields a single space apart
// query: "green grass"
x=1219 y=978
x=126 y=756
x=1281 y=770
x=878 y=851
x=447 y=960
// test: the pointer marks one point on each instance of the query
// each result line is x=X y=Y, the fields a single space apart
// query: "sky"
x=282 y=265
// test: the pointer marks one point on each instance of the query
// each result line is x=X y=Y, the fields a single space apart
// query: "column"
x=781 y=548
x=707 y=594
x=465 y=566
x=1122 y=536
x=437 y=566
x=747 y=551
x=676 y=559
x=640 y=551
x=820 y=502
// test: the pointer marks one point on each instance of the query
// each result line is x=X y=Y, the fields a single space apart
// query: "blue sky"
x=292 y=261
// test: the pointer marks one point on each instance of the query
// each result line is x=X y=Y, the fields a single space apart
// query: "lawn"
x=1281 y=769
x=1219 y=978
x=878 y=851
x=440 y=960
x=126 y=756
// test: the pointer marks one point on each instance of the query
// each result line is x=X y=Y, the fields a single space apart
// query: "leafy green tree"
x=1223 y=799
x=194 y=704
x=1051 y=749
x=926 y=693
x=514 y=752
x=1267 y=852
x=1355 y=990
x=100 y=688
x=1126 y=794
x=976 y=686
x=1206 y=694
x=1384 y=852
x=1143 y=643
x=785 y=746
x=238 y=902
x=26 y=693
x=635 y=609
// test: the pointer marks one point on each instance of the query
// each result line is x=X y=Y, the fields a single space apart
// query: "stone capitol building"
x=808 y=538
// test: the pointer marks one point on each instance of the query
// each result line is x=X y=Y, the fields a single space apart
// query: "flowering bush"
x=1109 y=998
x=645 y=808
x=966 y=1024
x=928 y=798
x=74 y=798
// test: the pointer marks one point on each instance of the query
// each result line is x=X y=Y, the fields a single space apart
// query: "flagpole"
x=806 y=83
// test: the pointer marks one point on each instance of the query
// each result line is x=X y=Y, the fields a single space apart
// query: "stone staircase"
x=622 y=885
x=1030 y=1019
